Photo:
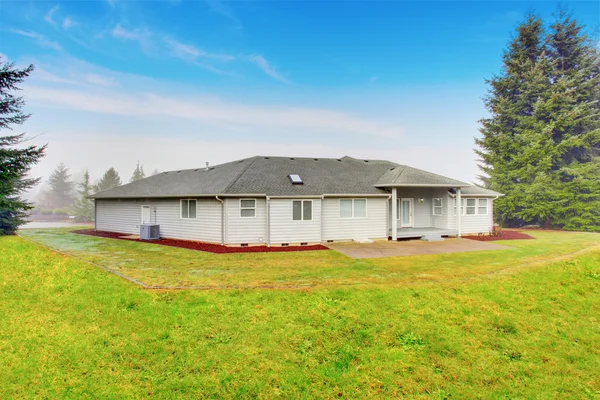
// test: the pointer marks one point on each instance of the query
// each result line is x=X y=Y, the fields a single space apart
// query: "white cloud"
x=101 y=80
x=211 y=111
x=142 y=36
x=49 y=17
x=190 y=52
x=40 y=40
x=67 y=23
x=267 y=68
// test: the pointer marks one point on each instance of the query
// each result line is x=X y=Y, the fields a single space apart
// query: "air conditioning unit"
x=149 y=232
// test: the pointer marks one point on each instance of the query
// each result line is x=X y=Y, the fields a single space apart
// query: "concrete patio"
x=382 y=249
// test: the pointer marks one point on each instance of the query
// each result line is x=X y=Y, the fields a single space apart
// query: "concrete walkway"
x=382 y=249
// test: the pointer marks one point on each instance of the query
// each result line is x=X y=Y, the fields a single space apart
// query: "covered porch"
x=425 y=212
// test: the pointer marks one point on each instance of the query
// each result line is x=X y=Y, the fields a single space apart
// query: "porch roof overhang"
x=425 y=185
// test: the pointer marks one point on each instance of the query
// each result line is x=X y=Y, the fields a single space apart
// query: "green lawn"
x=72 y=330
x=168 y=266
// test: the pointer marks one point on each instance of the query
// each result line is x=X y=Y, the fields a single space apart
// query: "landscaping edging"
x=200 y=246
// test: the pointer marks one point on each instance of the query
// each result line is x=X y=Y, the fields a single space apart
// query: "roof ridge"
x=241 y=172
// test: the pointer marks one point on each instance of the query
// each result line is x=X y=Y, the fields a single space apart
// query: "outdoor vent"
x=329 y=241
x=316 y=159
x=303 y=244
x=149 y=232
x=266 y=158
x=366 y=160
x=196 y=170
x=292 y=158
x=295 y=179
x=339 y=159
x=393 y=168
x=285 y=244
x=244 y=245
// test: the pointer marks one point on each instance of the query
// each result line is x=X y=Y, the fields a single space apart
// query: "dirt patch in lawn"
x=200 y=246
x=506 y=235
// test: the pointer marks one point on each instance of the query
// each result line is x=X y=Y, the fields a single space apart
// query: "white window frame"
x=467 y=206
x=353 y=200
x=302 y=210
x=487 y=206
x=434 y=207
x=181 y=208
x=247 y=208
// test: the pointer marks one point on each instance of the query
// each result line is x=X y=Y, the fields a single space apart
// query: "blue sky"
x=174 y=84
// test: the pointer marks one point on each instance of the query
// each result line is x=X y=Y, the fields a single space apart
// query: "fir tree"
x=138 y=173
x=84 y=207
x=109 y=180
x=540 y=145
x=61 y=187
x=15 y=160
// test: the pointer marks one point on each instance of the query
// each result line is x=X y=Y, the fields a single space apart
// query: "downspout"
x=222 y=220
x=268 y=230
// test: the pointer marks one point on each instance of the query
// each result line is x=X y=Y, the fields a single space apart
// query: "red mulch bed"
x=208 y=247
x=506 y=235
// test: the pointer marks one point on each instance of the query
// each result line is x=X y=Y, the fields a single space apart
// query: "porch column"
x=394 y=213
x=458 y=211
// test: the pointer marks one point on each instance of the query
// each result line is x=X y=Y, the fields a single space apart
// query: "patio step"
x=432 y=237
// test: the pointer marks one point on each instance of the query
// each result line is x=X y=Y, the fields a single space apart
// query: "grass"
x=157 y=265
x=71 y=330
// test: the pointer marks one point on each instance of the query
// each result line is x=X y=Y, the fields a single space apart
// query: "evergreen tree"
x=84 y=207
x=138 y=173
x=109 y=180
x=540 y=144
x=155 y=172
x=61 y=187
x=15 y=160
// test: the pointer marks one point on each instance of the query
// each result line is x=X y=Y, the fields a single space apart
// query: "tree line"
x=540 y=146
x=67 y=197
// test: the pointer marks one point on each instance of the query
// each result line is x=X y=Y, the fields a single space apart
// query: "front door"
x=145 y=214
x=406 y=213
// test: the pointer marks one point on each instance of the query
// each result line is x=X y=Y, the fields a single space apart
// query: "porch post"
x=394 y=213
x=458 y=211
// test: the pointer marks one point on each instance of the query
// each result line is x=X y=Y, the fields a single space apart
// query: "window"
x=483 y=207
x=471 y=206
x=437 y=206
x=302 y=210
x=353 y=208
x=247 y=208
x=188 y=209
x=295 y=178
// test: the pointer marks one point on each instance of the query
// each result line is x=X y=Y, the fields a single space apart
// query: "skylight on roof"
x=295 y=179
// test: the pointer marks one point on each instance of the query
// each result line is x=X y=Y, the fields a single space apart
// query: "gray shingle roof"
x=479 y=191
x=403 y=175
x=269 y=176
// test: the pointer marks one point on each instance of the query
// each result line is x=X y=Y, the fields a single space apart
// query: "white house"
x=287 y=200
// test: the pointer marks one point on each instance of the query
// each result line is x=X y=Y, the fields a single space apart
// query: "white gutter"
x=423 y=185
x=222 y=220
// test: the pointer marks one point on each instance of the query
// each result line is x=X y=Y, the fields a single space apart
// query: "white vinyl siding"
x=373 y=226
x=124 y=216
x=284 y=229
x=238 y=229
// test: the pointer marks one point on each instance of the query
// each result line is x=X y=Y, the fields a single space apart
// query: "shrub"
x=60 y=211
